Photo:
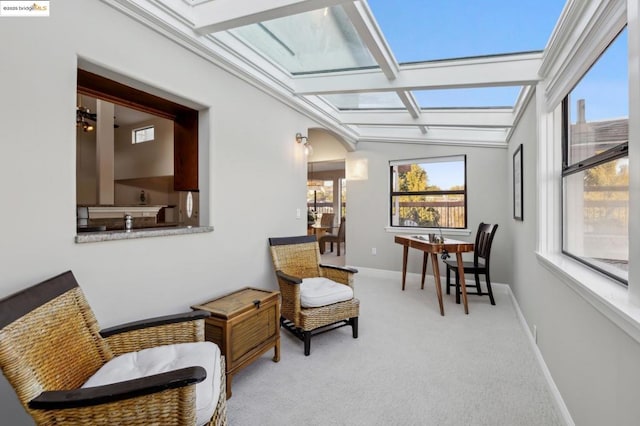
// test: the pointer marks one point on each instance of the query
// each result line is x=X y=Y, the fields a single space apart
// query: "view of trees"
x=606 y=195
x=416 y=179
x=438 y=210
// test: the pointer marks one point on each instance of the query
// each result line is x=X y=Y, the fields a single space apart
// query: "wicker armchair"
x=296 y=259
x=50 y=345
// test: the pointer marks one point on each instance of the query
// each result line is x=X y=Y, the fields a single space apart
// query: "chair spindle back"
x=484 y=239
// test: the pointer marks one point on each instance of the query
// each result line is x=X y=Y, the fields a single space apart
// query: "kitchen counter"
x=93 y=237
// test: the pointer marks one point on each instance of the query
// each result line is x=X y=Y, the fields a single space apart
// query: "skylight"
x=438 y=71
x=419 y=30
x=317 y=41
x=375 y=100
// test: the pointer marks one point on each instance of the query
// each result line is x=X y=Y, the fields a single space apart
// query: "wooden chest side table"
x=245 y=325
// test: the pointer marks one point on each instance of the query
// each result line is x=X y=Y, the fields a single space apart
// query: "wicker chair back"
x=49 y=339
x=296 y=256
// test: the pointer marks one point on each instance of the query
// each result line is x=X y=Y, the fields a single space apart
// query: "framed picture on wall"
x=517 y=184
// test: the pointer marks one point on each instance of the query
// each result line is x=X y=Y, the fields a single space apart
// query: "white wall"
x=326 y=147
x=592 y=361
x=86 y=185
x=250 y=145
x=368 y=204
x=147 y=159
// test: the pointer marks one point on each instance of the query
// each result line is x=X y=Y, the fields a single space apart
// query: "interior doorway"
x=327 y=188
x=327 y=203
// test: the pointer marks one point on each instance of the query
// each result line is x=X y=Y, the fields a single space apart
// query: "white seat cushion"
x=320 y=291
x=165 y=358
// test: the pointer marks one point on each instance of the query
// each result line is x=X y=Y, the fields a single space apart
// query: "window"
x=429 y=192
x=595 y=169
x=326 y=188
x=144 y=134
x=320 y=196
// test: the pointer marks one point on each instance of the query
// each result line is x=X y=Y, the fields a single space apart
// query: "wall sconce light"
x=308 y=149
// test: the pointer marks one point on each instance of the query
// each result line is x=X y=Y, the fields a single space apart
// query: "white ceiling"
x=127 y=116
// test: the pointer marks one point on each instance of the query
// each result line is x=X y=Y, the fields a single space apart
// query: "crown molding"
x=526 y=94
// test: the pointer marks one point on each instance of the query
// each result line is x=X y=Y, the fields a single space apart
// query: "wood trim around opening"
x=185 y=119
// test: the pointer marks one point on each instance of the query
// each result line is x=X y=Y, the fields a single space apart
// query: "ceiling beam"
x=412 y=106
x=410 y=103
x=365 y=24
x=221 y=15
x=490 y=138
x=463 y=117
x=503 y=70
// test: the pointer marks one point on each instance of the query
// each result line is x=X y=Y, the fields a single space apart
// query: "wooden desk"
x=435 y=249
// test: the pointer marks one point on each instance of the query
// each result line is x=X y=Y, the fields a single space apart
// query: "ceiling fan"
x=84 y=115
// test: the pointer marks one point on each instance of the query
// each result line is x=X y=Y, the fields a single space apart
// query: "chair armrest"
x=289 y=296
x=166 y=330
x=339 y=274
x=85 y=397
x=155 y=322
x=288 y=278
x=340 y=268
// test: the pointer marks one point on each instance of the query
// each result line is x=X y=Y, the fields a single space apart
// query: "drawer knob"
x=256 y=303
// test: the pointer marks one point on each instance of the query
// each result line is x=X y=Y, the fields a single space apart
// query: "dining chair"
x=326 y=224
x=333 y=238
x=479 y=265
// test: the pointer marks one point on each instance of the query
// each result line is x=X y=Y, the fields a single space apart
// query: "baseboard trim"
x=555 y=392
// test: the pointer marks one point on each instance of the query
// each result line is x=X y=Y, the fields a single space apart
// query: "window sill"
x=94 y=237
x=425 y=231
x=607 y=296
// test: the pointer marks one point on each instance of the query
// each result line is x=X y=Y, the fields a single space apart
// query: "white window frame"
x=584 y=31
x=134 y=134
x=573 y=227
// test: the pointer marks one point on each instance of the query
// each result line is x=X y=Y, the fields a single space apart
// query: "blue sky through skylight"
x=422 y=30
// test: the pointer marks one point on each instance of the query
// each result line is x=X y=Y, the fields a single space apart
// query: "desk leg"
x=405 y=253
x=425 y=259
x=436 y=276
x=463 y=285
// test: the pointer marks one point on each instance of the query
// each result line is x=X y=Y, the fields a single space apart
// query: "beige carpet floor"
x=409 y=366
